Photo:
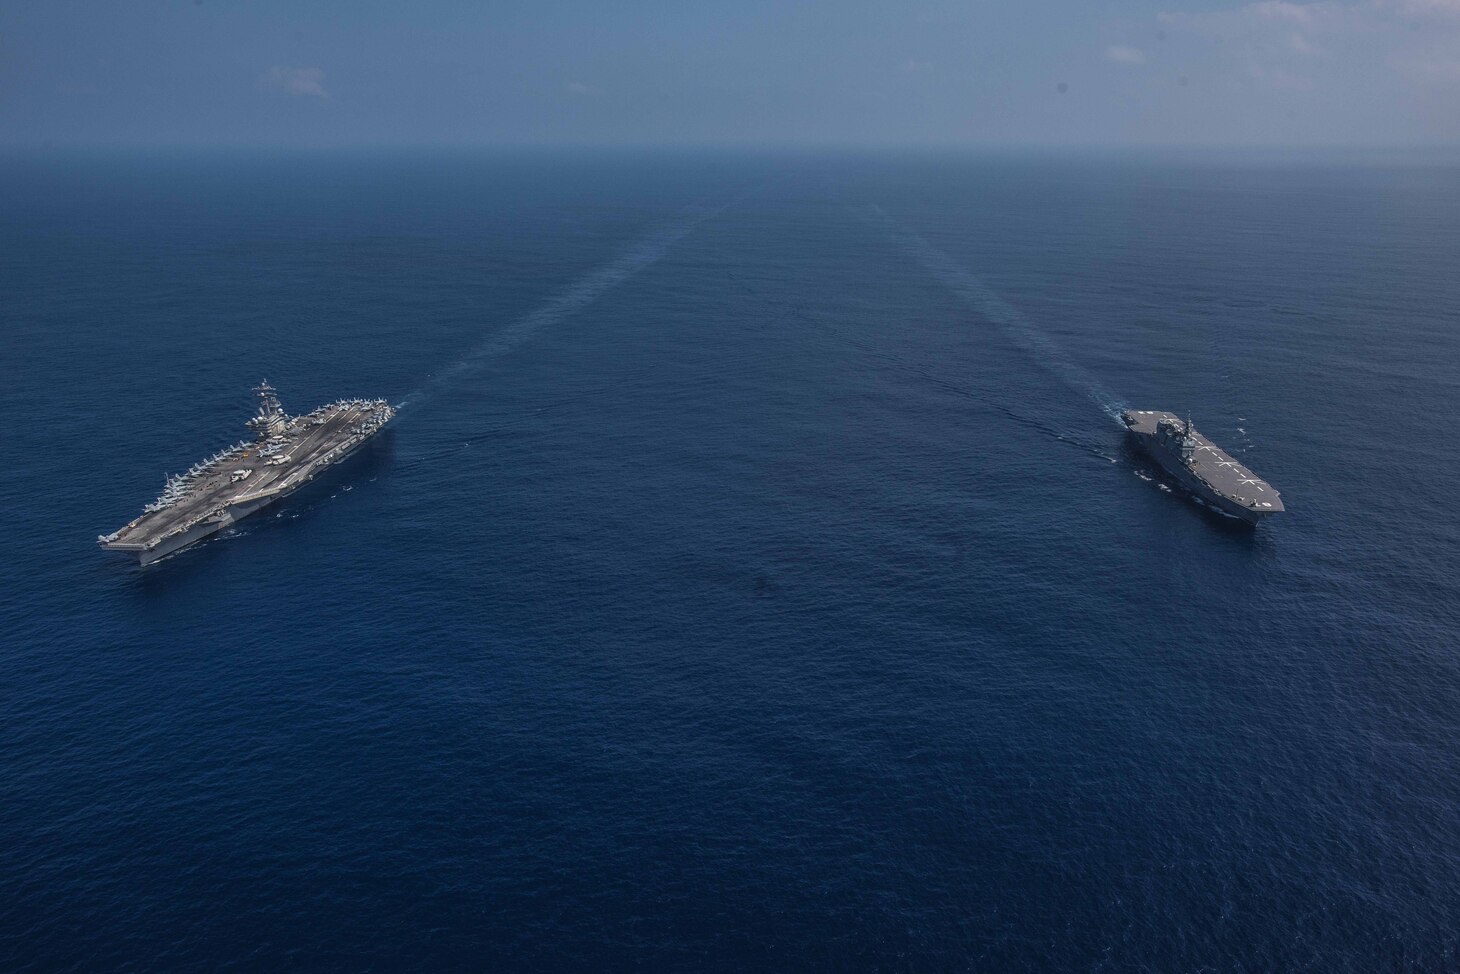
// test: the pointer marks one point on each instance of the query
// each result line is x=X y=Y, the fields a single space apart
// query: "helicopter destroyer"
x=286 y=453
x=1202 y=467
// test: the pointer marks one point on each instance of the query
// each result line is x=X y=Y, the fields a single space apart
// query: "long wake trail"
x=642 y=253
x=987 y=302
x=922 y=371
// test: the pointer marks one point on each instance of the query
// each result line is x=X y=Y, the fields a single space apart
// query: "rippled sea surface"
x=755 y=576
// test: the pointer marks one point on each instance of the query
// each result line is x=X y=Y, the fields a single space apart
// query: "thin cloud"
x=1267 y=17
x=1280 y=78
x=1430 y=71
x=1121 y=54
x=580 y=89
x=1422 y=9
x=1273 y=41
x=305 y=82
x=1281 y=11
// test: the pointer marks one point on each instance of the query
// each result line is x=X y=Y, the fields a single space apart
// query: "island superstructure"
x=286 y=453
x=1202 y=467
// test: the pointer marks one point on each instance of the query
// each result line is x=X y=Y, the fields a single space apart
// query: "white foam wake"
x=580 y=294
x=1014 y=323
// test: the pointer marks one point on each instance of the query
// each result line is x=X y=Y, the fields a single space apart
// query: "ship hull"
x=231 y=516
x=199 y=531
x=1197 y=465
x=243 y=480
x=1195 y=487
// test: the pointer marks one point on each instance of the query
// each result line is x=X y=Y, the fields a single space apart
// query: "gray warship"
x=1200 y=466
x=286 y=453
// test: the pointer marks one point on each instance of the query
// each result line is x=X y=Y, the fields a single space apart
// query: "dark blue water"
x=754 y=578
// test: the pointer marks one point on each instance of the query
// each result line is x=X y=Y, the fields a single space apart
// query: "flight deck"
x=288 y=453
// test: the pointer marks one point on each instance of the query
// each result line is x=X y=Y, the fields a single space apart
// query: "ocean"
x=756 y=576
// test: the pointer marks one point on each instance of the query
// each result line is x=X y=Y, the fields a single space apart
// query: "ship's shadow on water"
x=372 y=460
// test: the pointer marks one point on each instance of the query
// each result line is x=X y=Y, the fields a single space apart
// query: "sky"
x=313 y=73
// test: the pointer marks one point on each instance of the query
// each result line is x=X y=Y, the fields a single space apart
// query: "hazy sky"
x=316 y=73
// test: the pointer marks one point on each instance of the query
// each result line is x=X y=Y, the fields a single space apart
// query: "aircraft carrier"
x=287 y=453
x=1200 y=466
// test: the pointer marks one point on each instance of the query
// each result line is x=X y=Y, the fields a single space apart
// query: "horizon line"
x=730 y=145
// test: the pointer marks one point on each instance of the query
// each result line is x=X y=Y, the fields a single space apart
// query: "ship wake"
x=641 y=254
x=1010 y=320
x=922 y=371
